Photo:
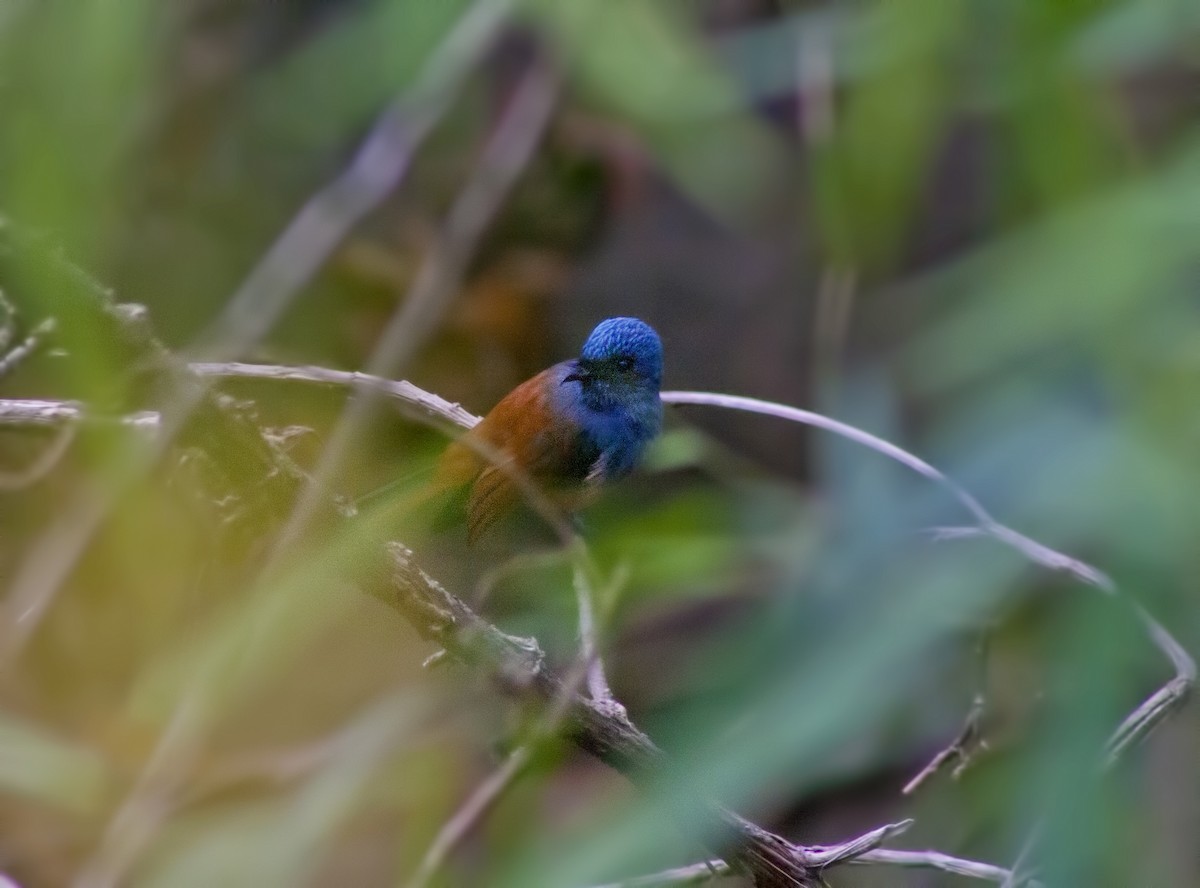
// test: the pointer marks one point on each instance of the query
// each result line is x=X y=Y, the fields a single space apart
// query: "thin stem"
x=478 y=803
x=26 y=347
x=969 y=739
x=380 y=164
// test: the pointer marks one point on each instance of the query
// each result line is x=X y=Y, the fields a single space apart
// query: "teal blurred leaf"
x=651 y=70
x=331 y=87
x=1067 y=280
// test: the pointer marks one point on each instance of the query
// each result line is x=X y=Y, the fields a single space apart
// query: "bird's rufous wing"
x=523 y=429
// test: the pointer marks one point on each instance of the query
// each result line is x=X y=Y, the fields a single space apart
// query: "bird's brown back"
x=522 y=431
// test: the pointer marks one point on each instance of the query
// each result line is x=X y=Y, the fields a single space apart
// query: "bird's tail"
x=393 y=488
x=413 y=505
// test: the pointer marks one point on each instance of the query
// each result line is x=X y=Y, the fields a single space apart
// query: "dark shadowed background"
x=971 y=227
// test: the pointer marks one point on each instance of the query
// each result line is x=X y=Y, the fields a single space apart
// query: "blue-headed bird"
x=569 y=429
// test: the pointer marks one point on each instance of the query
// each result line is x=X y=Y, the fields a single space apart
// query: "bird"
x=571 y=429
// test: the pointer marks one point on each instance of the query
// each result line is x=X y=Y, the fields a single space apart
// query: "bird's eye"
x=625 y=363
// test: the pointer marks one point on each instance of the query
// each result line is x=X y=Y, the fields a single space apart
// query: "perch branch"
x=427 y=408
x=424 y=405
x=599 y=726
x=1135 y=727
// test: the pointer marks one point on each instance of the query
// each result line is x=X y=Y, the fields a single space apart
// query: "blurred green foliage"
x=1011 y=190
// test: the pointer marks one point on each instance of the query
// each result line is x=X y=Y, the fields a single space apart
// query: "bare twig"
x=136 y=821
x=429 y=406
x=710 y=870
x=1138 y=724
x=969 y=739
x=843 y=852
x=960 y=748
x=484 y=796
x=25 y=347
x=43 y=463
x=972 y=869
x=694 y=874
x=986 y=524
x=31 y=413
x=39 y=414
x=487 y=793
x=586 y=671
x=858 y=436
x=589 y=651
x=1146 y=716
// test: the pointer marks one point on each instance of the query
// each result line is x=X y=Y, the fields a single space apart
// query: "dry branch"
x=601 y=727
x=1135 y=727
x=430 y=408
x=710 y=870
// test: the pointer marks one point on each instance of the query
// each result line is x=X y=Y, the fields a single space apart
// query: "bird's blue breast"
x=616 y=424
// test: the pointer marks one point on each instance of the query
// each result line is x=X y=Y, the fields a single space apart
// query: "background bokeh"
x=971 y=227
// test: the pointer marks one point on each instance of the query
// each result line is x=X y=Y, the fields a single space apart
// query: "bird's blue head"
x=617 y=404
x=622 y=355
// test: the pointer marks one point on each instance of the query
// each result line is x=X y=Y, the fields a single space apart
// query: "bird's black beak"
x=581 y=374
